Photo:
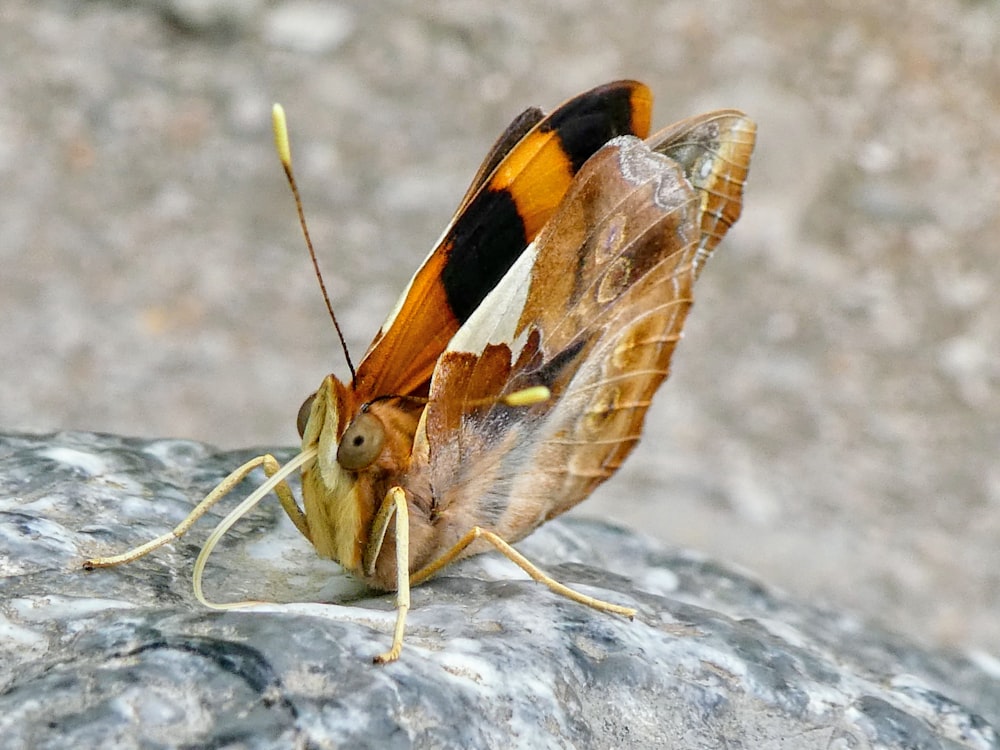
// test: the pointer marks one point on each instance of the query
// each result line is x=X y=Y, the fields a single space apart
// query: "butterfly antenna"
x=285 y=154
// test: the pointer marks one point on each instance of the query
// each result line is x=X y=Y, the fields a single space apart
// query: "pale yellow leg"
x=224 y=487
x=524 y=564
x=395 y=503
x=286 y=498
x=379 y=528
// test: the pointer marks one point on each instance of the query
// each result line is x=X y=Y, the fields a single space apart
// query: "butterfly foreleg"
x=477 y=532
x=286 y=497
x=394 y=504
x=270 y=464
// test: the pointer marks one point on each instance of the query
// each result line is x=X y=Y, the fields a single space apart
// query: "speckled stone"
x=126 y=657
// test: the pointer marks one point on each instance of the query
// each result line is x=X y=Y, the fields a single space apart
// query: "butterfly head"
x=330 y=490
x=360 y=444
x=349 y=437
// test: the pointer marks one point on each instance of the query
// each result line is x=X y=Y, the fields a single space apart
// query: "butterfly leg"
x=284 y=492
x=393 y=504
x=477 y=532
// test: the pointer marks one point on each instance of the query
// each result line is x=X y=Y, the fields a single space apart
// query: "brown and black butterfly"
x=516 y=370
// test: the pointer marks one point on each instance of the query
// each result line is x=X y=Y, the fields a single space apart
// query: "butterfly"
x=516 y=370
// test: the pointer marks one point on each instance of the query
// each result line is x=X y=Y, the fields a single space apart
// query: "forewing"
x=522 y=181
x=515 y=132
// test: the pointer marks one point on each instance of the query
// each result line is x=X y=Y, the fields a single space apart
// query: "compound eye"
x=303 y=417
x=361 y=443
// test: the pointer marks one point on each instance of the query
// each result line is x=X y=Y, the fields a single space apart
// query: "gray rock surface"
x=126 y=658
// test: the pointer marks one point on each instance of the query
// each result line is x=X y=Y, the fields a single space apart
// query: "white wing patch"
x=496 y=318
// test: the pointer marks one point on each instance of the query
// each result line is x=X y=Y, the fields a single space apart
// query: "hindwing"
x=592 y=309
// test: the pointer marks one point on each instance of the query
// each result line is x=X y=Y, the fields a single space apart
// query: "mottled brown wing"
x=593 y=310
x=714 y=152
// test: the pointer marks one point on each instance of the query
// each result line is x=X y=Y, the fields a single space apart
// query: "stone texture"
x=126 y=658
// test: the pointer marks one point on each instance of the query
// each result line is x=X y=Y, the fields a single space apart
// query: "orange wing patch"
x=493 y=228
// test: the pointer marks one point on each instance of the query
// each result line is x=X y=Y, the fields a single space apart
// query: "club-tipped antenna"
x=285 y=154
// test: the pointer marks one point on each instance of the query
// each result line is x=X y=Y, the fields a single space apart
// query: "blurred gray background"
x=832 y=420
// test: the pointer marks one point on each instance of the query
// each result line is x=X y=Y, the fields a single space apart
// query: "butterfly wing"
x=593 y=310
x=522 y=181
x=714 y=152
x=515 y=132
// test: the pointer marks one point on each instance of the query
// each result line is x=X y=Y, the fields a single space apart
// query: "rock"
x=220 y=18
x=125 y=657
